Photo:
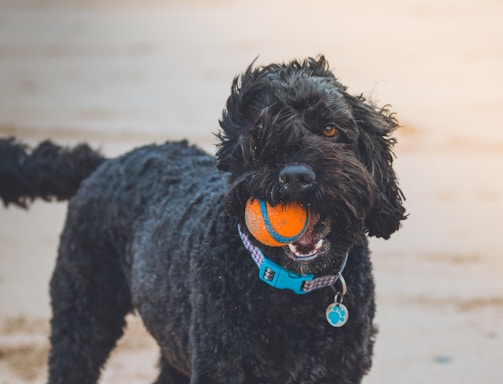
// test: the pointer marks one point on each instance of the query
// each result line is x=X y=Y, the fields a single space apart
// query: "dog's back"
x=136 y=210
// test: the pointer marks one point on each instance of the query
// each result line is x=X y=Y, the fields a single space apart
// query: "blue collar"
x=278 y=277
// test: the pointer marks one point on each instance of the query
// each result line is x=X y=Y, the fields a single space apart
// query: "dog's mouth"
x=312 y=243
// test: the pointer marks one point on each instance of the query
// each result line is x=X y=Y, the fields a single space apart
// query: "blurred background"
x=119 y=74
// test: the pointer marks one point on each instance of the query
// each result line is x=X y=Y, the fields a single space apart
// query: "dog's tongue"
x=307 y=238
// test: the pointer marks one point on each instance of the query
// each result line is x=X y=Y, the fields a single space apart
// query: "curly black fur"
x=154 y=231
x=49 y=171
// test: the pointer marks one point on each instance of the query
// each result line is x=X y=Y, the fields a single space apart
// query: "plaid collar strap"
x=278 y=277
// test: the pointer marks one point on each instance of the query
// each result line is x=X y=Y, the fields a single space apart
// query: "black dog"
x=161 y=231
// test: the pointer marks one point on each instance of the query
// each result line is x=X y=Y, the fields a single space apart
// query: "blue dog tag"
x=337 y=315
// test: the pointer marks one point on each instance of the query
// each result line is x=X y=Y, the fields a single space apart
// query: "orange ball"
x=277 y=225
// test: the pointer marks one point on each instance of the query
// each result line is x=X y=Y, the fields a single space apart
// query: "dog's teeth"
x=299 y=254
x=292 y=248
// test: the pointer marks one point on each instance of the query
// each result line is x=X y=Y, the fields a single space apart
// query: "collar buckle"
x=280 y=278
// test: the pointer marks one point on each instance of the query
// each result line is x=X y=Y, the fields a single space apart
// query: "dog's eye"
x=330 y=131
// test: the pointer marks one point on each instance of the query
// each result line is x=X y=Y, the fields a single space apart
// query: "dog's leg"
x=90 y=298
x=170 y=375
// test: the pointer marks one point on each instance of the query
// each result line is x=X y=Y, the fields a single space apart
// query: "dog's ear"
x=375 y=146
x=250 y=95
x=228 y=150
x=235 y=118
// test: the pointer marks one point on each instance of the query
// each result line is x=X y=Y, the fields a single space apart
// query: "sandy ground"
x=119 y=74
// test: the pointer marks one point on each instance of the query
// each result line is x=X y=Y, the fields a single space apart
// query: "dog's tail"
x=48 y=171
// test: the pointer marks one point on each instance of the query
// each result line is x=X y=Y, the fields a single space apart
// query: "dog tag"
x=337 y=315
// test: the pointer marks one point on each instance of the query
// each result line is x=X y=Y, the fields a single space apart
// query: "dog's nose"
x=297 y=179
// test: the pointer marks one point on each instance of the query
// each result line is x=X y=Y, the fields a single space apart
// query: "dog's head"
x=291 y=132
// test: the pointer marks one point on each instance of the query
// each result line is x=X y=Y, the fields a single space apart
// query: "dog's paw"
x=337 y=314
